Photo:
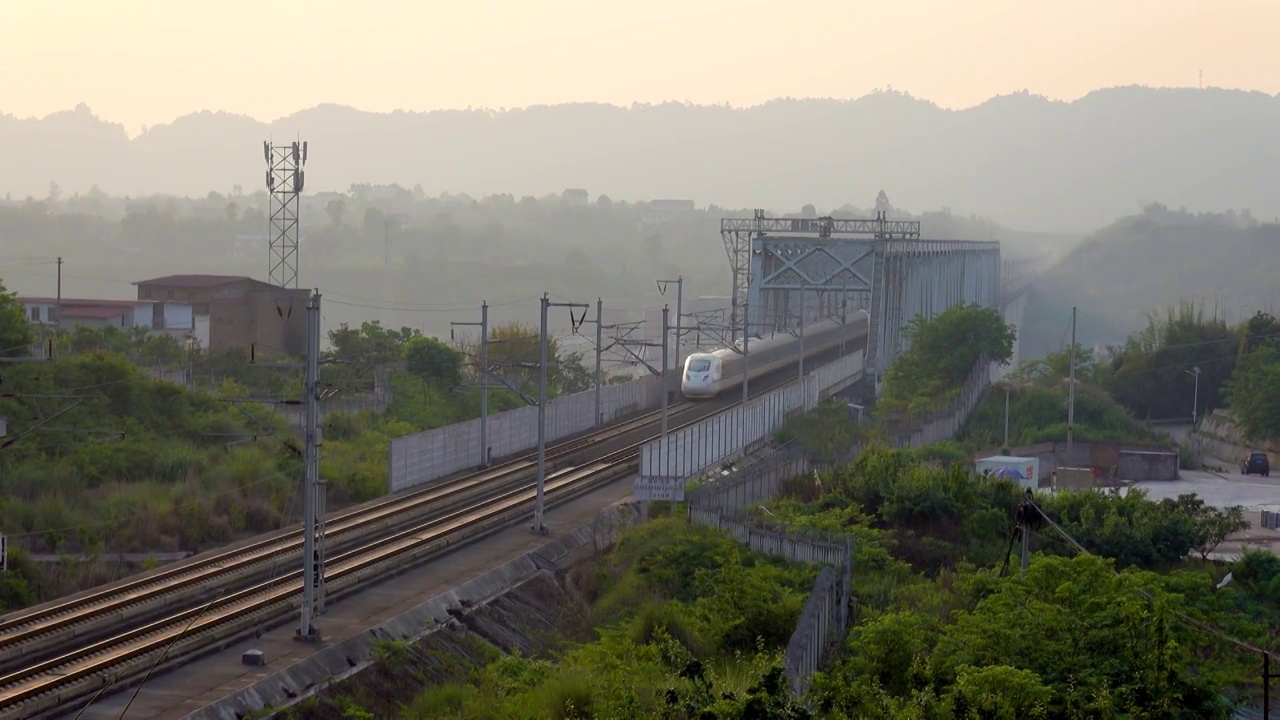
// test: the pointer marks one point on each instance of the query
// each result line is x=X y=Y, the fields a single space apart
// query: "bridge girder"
x=891 y=280
x=792 y=270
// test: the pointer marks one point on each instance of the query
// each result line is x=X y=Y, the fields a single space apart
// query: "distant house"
x=233 y=311
x=575 y=196
x=657 y=212
x=69 y=313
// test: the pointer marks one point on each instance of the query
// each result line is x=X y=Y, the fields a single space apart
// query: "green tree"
x=1149 y=373
x=571 y=374
x=1055 y=367
x=942 y=354
x=1210 y=526
x=1252 y=391
x=434 y=362
x=1261 y=330
x=370 y=343
x=514 y=353
x=16 y=335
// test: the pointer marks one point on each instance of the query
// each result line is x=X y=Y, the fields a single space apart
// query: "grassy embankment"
x=140 y=466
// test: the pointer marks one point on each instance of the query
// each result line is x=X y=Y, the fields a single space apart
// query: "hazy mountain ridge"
x=1030 y=161
x=1227 y=261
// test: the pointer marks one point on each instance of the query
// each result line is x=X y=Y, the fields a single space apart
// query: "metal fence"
x=946 y=423
x=754 y=483
x=825 y=618
x=822 y=626
x=690 y=451
x=723 y=502
x=1271 y=520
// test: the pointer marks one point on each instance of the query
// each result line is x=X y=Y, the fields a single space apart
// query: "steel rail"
x=158 y=591
x=152 y=591
x=87 y=666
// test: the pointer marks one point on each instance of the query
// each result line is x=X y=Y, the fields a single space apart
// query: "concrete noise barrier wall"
x=689 y=451
x=426 y=457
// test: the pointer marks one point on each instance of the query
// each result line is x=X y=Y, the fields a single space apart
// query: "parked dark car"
x=1256 y=464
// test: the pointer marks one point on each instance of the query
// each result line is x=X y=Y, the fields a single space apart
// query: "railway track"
x=62 y=680
x=43 y=630
x=59 y=653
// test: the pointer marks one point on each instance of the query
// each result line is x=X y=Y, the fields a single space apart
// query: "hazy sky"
x=142 y=62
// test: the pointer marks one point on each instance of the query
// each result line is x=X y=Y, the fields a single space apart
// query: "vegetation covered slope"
x=101 y=458
x=690 y=626
x=1225 y=261
x=945 y=632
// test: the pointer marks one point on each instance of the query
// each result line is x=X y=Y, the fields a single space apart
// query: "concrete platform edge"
x=308 y=676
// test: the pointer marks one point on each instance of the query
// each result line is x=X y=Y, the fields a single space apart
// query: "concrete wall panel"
x=426 y=457
x=698 y=447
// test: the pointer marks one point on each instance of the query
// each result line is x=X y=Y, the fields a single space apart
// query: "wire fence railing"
x=726 y=501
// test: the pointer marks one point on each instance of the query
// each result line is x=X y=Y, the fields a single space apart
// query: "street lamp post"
x=1195 y=398
x=1006 y=418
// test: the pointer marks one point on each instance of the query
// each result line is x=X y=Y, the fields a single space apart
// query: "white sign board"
x=658 y=488
x=1024 y=471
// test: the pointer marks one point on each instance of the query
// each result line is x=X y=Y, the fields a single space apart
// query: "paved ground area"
x=195 y=685
x=1224 y=490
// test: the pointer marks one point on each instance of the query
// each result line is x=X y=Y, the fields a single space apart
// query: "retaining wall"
x=689 y=451
x=946 y=424
x=1220 y=438
x=336 y=662
x=1101 y=457
x=427 y=457
x=752 y=484
x=825 y=618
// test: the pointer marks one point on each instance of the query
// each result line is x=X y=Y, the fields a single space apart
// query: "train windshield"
x=699 y=365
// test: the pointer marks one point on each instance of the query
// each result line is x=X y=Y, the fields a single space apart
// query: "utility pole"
x=666 y=388
x=662 y=290
x=484 y=378
x=312 y=563
x=1006 y=417
x=312 y=486
x=1071 y=389
x=746 y=367
x=1195 y=399
x=57 y=322
x=599 y=359
x=844 y=310
x=539 y=503
x=801 y=364
x=1026 y=545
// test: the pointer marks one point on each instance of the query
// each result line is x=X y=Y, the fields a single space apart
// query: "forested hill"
x=1032 y=162
x=1226 y=262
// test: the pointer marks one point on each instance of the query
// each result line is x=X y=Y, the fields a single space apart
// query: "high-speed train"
x=706 y=375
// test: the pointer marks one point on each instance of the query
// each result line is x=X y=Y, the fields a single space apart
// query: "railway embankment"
x=528 y=606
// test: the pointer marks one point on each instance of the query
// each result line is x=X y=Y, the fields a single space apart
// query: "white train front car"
x=706 y=375
x=703 y=374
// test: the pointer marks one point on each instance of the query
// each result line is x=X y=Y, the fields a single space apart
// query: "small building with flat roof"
x=236 y=311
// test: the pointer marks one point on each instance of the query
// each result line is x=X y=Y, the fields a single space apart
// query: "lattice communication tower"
x=285 y=179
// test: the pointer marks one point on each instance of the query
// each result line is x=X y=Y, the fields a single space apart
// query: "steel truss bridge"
x=792 y=271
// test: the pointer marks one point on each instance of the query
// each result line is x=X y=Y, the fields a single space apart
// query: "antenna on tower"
x=285 y=181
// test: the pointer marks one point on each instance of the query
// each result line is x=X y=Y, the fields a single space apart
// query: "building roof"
x=195 y=281
x=80 y=302
x=93 y=312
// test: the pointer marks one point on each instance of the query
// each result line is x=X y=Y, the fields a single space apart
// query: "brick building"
x=235 y=311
